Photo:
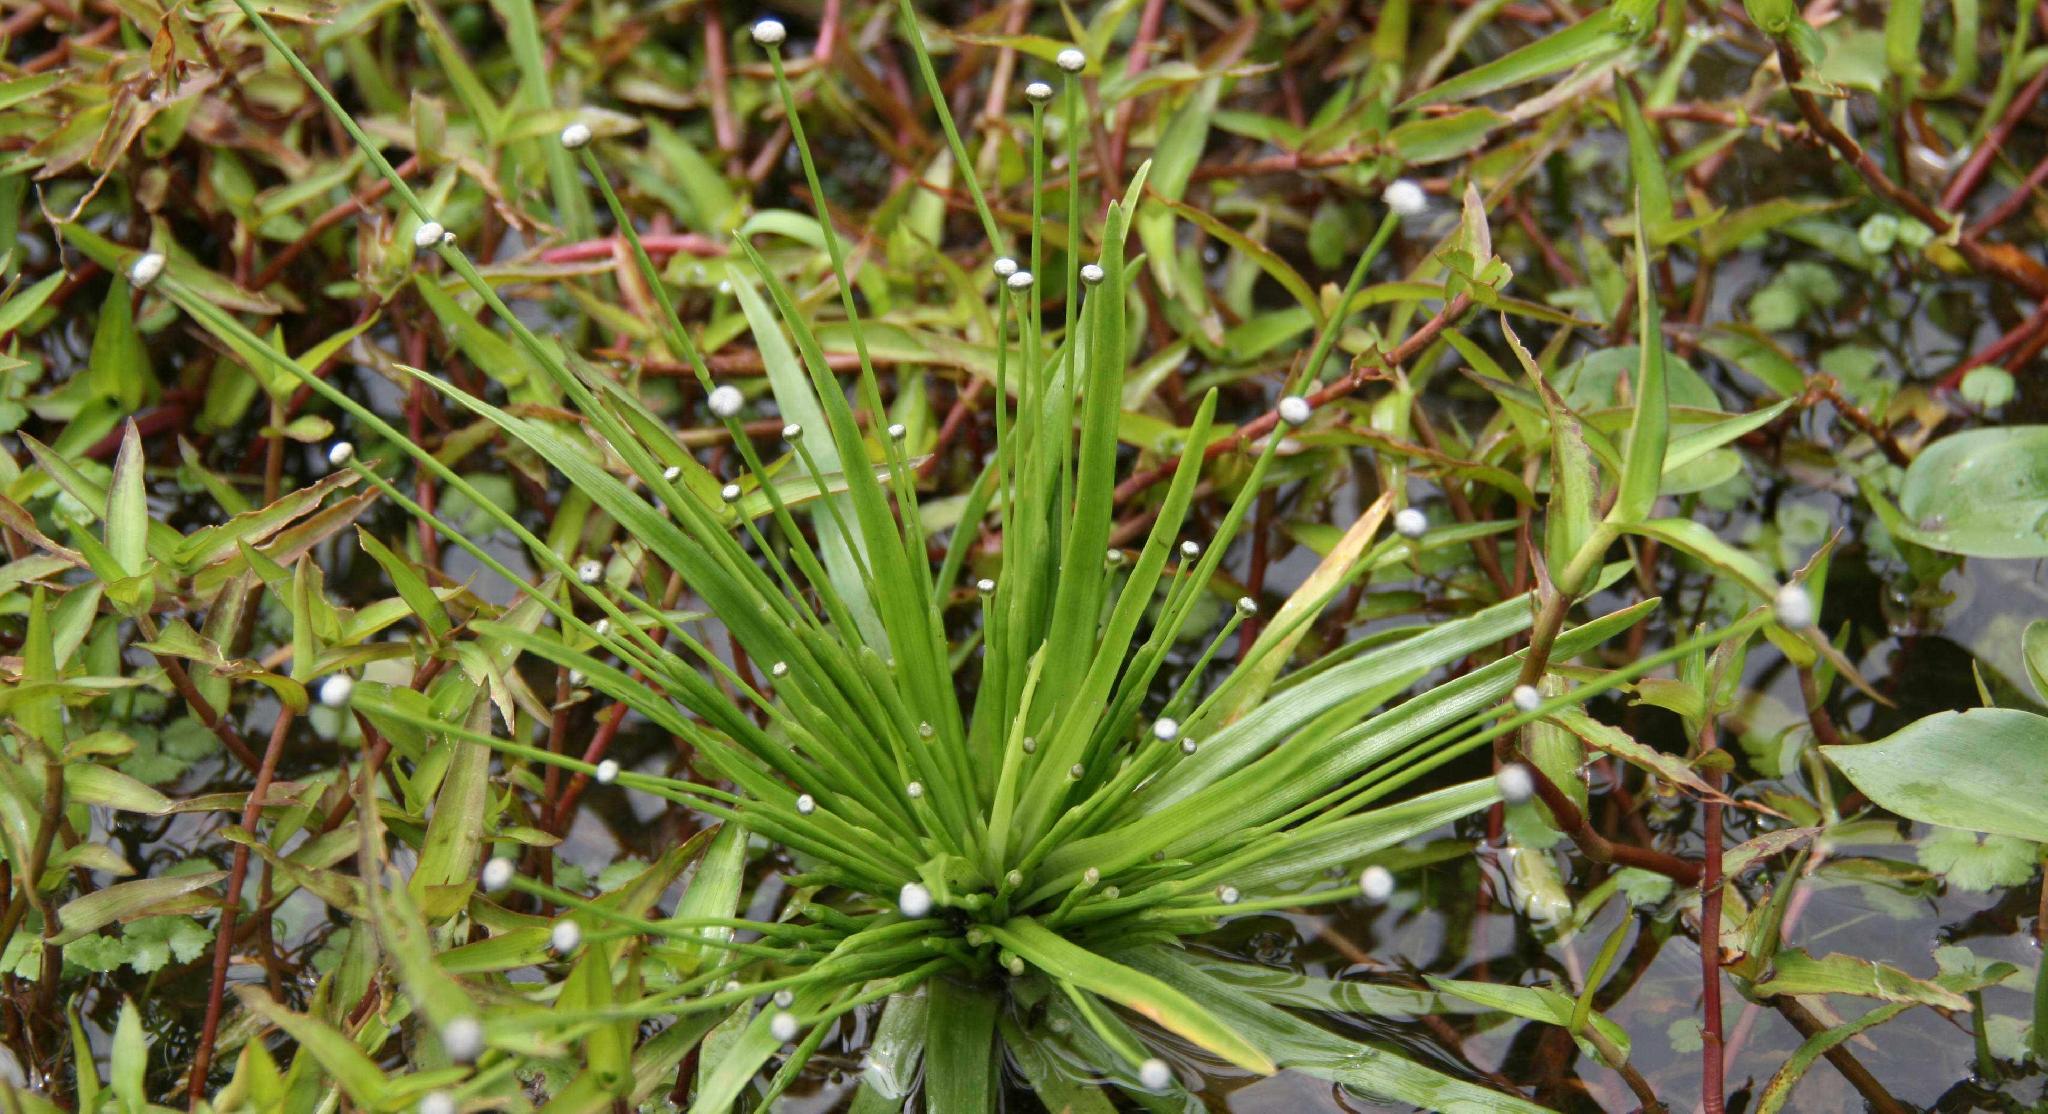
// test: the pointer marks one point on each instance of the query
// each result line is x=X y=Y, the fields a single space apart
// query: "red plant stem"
x=224 y=935
x=1713 y=1085
x=1998 y=349
x=1141 y=49
x=370 y=195
x=659 y=245
x=2013 y=201
x=1260 y=426
x=1973 y=171
x=1859 y=159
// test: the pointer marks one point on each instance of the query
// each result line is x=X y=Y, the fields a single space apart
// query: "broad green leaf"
x=1984 y=770
x=1980 y=493
x=119 y=368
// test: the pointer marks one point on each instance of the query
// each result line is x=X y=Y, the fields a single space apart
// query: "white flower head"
x=1405 y=198
x=806 y=804
x=782 y=1026
x=726 y=401
x=1376 y=883
x=1410 y=523
x=497 y=874
x=1004 y=266
x=463 y=1039
x=985 y=586
x=792 y=433
x=565 y=937
x=590 y=572
x=784 y=998
x=770 y=32
x=1295 y=410
x=576 y=135
x=914 y=900
x=1227 y=894
x=1187 y=747
x=336 y=689
x=730 y=493
x=672 y=473
x=898 y=431
x=1793 y=607
x=1038 y=92
x=1165 y=730
x=1191 y=549
x=607 y=772
x=1527 y=698
x=428 y=235
x=146 y=269
x=1071 y=60
x=1092 y=274
x=1155 y=1075
x=1021 y=281
x=437 y=1102
x=1515 y=783
x=915 y=790
x=1247 y=607
x=340 y=453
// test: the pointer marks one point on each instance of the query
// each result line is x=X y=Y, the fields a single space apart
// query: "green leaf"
x=1779 y=1090
x=126 y=901
x=1643 y=461
x=1059 y=958
x=1597 y=38
x=1794 y=971
x=118 y=368
x=130 y=1061
x=1984 y=770
x=411 y=586
x=127 y=519
x=1439 y=138
x=1976 y=863
x=960 y=1051
x=1980 y=493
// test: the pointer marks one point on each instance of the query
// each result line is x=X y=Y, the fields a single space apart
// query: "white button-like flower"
x=914 y=900
x=1376 y=883
x=576 y=135
x=341 y=453
x=1405 y=198
x=1021 y=281
x=1515 y=783
x=730 y=493
x=1793 y=607
x=726 y=401
x=1004 y=266
x=1038 y=92
x=1165 y=730
x=590 y=572
x=792 y=433
x=1410 y=523
x=770 y=32
x=607 y=772
x=1155 y=1075
x=1247 y=607
x=146 y=269
x=1295 y=410
x=1091 y=274
x=782 y=1026
x=437 y=1102
x=565 y=937
x=497 y=874
x=428 y=235
x=1071 y=60
x=463 y=1039
x=1227 y=894
x=1527 y=698
x=335 y=690
x=806 y=804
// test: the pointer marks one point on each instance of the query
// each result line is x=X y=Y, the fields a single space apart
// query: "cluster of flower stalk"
x=1070 y=809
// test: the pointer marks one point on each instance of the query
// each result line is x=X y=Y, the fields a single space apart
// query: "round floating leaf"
x=1984 y=770
x=1983 y=493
